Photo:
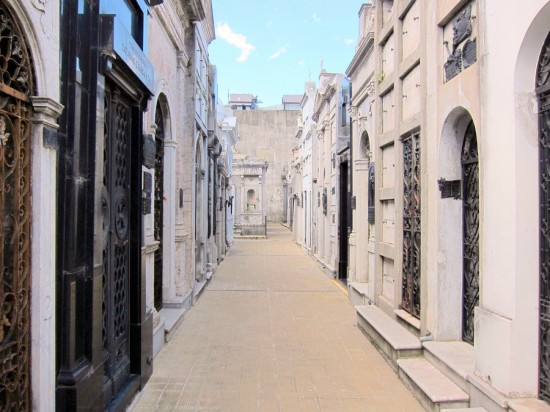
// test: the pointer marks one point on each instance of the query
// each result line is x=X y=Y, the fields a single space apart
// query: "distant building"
x=292 y=101
x=243 y=102
x=267 y=136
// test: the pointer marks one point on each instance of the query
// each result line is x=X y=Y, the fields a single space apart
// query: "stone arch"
x=542 y=84
x=200 y=204
x=250 y=200
x=450 y=227
x=365 y=146
x=159 y=205
x=18 y=138
x=162 y=102
x=33 y=39
x=527 y=195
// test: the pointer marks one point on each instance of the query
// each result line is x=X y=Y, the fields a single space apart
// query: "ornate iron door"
x=343 y=238
x=159 y=196
x=116 y=252
x=15 y=215
x=470 y=228
x=411 y=225
x=543 y=92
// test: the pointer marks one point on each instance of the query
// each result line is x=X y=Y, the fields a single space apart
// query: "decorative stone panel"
x=388 y=166
x=460 y=42
x=388 y=110
x=411 y=30
x=388 y=222
x=411 y=93
x=388 y=57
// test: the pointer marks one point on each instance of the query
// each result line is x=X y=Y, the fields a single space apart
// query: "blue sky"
x=271 y=47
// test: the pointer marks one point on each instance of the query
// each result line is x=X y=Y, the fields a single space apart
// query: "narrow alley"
x=272 y=332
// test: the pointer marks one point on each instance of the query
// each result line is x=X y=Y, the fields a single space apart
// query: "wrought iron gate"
x=343 y=238
x=159 y=196
x=543 y=93
x=15 y=215
x=116 y=252
x=470 y=230
x=411 y=225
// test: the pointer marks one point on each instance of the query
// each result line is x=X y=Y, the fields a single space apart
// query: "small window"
x=251 y=200
x=131 y=16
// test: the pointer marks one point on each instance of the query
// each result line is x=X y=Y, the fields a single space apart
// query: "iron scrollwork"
x=543 y=94
x=15 y=215
x=158 y=215
x=116 y=248
x=371 y=190
x=411 y=225
x=324 y=200
x=470 y=224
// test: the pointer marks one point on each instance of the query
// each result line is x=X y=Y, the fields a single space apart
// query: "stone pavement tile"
x=271 y=332
x=169 y=399
x=148 y=400
x=329 y=404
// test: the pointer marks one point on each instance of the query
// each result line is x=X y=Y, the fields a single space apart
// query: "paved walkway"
x=272 y=332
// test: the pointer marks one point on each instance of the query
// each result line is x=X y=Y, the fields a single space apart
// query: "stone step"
x=465 y=410
x=455 y=359
x=434 y=391
x=358 y=293
x=528 y=405
x=390 y=338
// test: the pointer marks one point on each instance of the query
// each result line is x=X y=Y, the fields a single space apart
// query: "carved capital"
x=354 y=113
x=46 y=111
x=370 y=88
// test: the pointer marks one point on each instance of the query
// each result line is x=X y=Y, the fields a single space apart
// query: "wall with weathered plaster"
x=270 y=136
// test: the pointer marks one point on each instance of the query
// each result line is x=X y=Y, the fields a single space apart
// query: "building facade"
x=268 y=136
x=302 y=169
x=249 y=181
x=457 y=135
x=98 y=138
x=362 y=238
x=330 y=174
x=29 y=146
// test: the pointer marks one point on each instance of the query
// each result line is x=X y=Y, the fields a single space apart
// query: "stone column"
x=44 y=146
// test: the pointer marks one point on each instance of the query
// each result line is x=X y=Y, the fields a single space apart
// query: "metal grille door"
x=470 y=225
x=116 y=207
x=159 y=197
x=411 y=225
x=543 y=92
x=15 y=215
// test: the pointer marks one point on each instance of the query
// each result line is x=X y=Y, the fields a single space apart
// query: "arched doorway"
x=344 y=210
x=470 y=232
x=250 y=200
x=17 y=86
x=411 y=225
x=158 y=204
x=543 y=96
x=199 y=215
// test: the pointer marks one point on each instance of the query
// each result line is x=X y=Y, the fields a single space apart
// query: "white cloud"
x=223 y=31
x=302 y=62
x=316 y=18
x=278 y=53
x=350 y=41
